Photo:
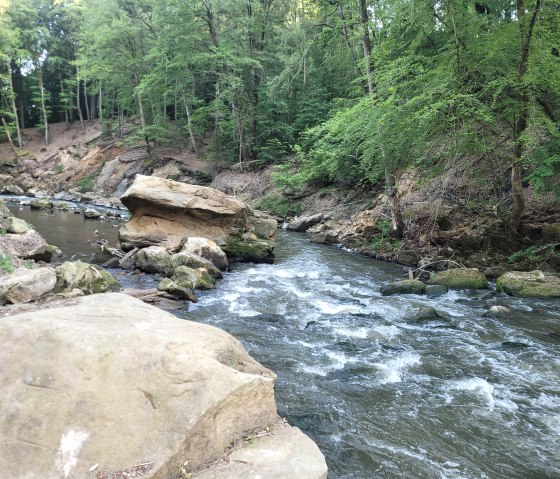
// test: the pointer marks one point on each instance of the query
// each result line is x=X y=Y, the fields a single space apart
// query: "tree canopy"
x=347 y=91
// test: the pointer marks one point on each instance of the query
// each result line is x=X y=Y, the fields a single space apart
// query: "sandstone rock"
x=192 y=278
x=41 y=204
x=169 y=286
x=17 y=226
x=110 y=382
x=460 y=278
x=26 y=285
x=207 y=249
x=5 y=217
x=87 y=277
x=165 y=211
x=529 y=284
x=287 y=453
x=305 y=222
x=406 y=286
x=435 y=290
x=25 y=246
x=91 y=213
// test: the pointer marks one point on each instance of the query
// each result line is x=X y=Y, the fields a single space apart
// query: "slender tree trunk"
x=175 y=106
x=346 y=36
x=189 y=124
x=88 y=113
x=12 y=96
x=7 y=131
x=366 y=44
x=65 y=101
x=78 y=107
x=397 y=224
x=525 y=33
x=304 y=45
x=43 y=105
x=100 y=102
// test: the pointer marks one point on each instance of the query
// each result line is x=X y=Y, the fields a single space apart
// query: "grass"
x=6 y=263
x=279 y=205
x=87 y=183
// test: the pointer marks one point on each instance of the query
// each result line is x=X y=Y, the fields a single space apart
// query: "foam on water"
x=394 y=369
x=477 y=385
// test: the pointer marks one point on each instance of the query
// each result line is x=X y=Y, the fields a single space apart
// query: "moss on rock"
x=406 y=286
x=532 y=284
x=460 y=278
x=251 y=250
x=86 y=277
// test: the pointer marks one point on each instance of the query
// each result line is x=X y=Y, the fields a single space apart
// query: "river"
x=464 y=396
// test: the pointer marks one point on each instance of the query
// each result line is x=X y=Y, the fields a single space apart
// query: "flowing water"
x=383 y=396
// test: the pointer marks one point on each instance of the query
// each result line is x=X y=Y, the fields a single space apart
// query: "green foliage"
x=546 y=175
x=59 y=168
x=6 y=263
x=279 y=205
x=87 y=183
x=536 y=254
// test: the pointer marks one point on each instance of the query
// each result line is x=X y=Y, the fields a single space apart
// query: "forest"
x=343 y=92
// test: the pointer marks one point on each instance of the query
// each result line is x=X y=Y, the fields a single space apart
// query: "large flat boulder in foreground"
x=103 y=384
x=164 y=212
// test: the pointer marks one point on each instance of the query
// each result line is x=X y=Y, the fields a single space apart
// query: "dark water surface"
x=72 y=233
x=384 y=397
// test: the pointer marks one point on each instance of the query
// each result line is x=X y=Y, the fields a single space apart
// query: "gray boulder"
x=206 y=249
x=305 y=222
x=28 y=245
x=406 y=286
x=460 y=278
x=171 y=287
x=25 y=285
x=531 y=284
x=108 y=384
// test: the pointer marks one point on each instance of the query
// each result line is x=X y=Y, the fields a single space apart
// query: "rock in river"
x=164 y=212
x=106 y=383
x=406 y=286
x=529 y=284
x=460 y=278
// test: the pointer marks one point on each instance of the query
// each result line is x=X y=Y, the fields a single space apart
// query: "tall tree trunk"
x=78 y=107
x=88 y=113
x=65 y=101
x=12 y=96
x=397 y=225
x=525 y=33
x=43 y=104
x=346 y=37
x=366 y=44
x=189 y=123
x=7 y=131
x=100 y=107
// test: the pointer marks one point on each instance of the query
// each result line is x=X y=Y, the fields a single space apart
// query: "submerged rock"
x=406 y=286
x=91 y=213
x=532 y=284
x=460 y=278
x=425 y=313
x=435 y=290
x=165 y=211
x=89 y=370
x=498 y=311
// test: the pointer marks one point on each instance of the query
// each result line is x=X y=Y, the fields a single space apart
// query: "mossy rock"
x=406 y=286
x=252 y=250
x=171 y=287
x=532 y=284
x=41 y=204
x=18 y=226
x=192 y=278
x=460 y=278
x=154 y=259
x=86 y=277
